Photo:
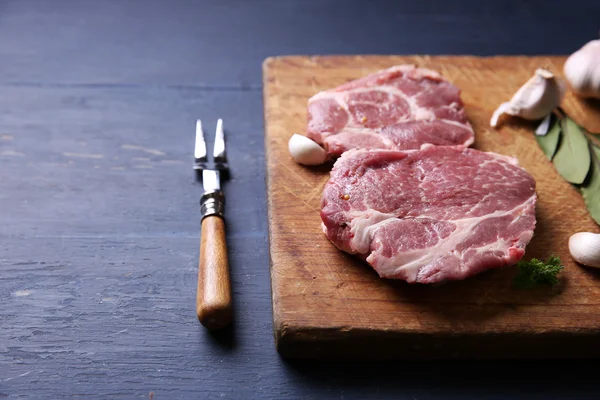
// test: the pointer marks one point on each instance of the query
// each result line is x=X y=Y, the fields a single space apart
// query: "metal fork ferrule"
x=212 y=203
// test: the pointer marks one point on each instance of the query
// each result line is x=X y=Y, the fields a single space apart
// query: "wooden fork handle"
x=213 y=301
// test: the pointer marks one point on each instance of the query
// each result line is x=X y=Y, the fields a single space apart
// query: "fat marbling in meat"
x=399 y=108
x=429 y=215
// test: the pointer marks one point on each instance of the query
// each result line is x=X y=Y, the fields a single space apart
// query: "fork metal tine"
x=200 y=147
x=219 y=150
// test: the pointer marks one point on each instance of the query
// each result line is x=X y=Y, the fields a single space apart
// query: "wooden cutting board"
x=328 y=304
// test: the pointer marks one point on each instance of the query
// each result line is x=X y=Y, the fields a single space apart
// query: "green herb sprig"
x=536 y=272
x=575 y=154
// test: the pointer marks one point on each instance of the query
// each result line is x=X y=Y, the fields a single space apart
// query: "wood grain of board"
x=328 y=304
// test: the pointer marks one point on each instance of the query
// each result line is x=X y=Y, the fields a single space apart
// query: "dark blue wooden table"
x=99 y=216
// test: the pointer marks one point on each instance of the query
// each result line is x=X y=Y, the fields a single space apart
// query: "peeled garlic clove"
x=541 y=94
x=585 y=248
x=582 y=70
x=305 y=151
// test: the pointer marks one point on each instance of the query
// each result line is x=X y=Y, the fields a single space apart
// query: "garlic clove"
x=585 y=248
x=305 y=151
x=582 y=70
x=541 y=94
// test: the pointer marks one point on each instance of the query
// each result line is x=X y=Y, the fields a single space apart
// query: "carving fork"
x=213 y=301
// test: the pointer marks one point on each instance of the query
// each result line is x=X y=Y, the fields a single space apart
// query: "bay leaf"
x=591 y=189
x=549 y=142
x=572 y=158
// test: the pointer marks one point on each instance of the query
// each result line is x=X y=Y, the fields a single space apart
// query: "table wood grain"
x=99 y=214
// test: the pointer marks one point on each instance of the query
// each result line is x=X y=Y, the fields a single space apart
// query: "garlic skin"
x=544 y=126
x=585 y=248
x=582 y=70
x=305 y=151
x=541 y=94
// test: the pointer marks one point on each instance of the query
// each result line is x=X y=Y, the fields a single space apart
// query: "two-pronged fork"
x=213 y=301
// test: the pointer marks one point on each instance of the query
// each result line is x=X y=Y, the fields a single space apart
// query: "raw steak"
x=398 y=108
x=435 y=214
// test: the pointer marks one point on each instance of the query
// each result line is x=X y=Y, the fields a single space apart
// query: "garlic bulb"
x=305 y=151
x=585 y=248
x=541 y=94
x=582 y=70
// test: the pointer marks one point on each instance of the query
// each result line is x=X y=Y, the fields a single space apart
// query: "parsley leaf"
x=536 y=272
